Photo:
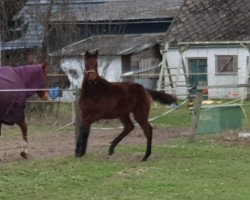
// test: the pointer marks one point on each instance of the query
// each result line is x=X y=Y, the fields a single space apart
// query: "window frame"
x=197 y=74
x=235 y=65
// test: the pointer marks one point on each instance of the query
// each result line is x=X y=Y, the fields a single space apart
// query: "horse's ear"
x=87 y=54
x=44 y=66
x=96 y=53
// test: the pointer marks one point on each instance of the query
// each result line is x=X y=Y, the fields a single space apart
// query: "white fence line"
x=35 y=90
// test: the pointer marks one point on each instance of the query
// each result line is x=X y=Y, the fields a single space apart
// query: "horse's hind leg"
x=24 y=152
x=0 y=129
x=147 y=130
x=128 y=127
x=82 y=140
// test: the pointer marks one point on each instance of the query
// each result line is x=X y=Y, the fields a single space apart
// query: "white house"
x=108 y=67
x=210 y=41
x=73 y=67
x=226 y=67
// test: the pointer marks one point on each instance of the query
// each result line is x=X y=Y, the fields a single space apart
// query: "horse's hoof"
x=111 y=152
x=24 y=154
x=144 y=159
x=79 y=153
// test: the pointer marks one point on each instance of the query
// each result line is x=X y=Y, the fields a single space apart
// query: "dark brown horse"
x=17 y=84
x=101 y=99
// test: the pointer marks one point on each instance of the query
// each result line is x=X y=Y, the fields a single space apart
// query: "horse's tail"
x=162 y=97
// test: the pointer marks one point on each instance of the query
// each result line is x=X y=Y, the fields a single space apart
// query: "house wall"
x=142 y=60
x=113 y=65
x=241 y=77
x=109 y=67
x=152 y=52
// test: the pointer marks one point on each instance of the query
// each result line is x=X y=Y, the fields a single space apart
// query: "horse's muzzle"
x=45 y=97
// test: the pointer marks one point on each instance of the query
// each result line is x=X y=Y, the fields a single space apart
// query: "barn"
x=127 y=36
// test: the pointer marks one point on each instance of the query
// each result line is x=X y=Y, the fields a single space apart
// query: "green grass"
x=180 y=117
x=178 y=170
x=61 y=114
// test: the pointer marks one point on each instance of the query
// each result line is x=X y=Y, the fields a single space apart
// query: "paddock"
x=215 y=165
x=51 y=131
x=47 y=142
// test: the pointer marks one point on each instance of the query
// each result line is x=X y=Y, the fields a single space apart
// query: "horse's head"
x=44 y=94
x=91 y=64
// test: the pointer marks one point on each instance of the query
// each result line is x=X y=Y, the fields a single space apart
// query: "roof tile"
x=211 y=20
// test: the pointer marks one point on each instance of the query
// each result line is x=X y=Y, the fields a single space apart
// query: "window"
x=226 y=64
x=197 y=68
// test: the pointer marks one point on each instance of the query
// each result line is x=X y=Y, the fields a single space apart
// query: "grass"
x=180 y=117
x=176 y=170
x=61 y=114
x=180 y=170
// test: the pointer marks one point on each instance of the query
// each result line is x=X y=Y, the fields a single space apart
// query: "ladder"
x=169 y=77
x=165 y=78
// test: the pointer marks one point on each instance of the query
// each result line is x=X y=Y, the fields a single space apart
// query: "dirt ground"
x=62 y=143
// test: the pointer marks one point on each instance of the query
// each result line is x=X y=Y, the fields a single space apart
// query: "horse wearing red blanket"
x=17 y=84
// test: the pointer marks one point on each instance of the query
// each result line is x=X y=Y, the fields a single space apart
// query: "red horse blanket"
x=12 y=103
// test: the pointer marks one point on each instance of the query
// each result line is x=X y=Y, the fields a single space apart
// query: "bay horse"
x=100 y=99
x=12 y=103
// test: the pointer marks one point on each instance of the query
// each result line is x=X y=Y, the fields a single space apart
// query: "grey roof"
x=211 y=20
x=35 y=12
x=33 y=38
x=119 y=10
x=111 y=44
x=103 y=10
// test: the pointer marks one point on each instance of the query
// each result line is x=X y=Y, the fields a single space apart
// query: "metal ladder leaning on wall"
x=169 y=78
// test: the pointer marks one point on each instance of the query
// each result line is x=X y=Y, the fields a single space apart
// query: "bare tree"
x=8 y=9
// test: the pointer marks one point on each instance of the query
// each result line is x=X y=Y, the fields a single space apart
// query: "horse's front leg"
x=82 y=140
x=24 y=152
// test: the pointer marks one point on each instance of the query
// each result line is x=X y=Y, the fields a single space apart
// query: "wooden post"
x=247 y=47
x=196 y=111
x=77 y=113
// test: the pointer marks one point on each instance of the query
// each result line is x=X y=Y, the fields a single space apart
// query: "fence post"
x=77 y=113
x=196 y=111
